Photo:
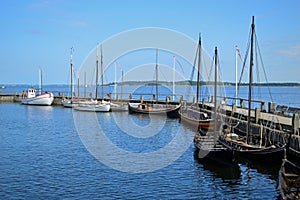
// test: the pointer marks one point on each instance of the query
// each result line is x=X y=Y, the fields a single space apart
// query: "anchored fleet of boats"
x=215 y=140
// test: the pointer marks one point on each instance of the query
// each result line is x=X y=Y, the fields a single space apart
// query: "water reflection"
x=242 y=180
x=269 y=169
x=225 y=172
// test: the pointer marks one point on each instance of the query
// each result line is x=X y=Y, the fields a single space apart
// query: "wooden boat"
x=195 y=119
x=271 y=153
x=161 y=109
x=155 y=108
x=210 y=149
x=193 y=116
x=243 y=146
x=31 y=97
x=289 y=180
x=206 y=142
x=289 y=177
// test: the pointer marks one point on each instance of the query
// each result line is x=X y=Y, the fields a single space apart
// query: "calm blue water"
x=43 y=156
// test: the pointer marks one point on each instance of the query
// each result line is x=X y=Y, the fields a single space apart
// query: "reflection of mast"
x=250 y=81
x=198 y=76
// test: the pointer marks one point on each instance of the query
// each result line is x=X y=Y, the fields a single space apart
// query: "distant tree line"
x=187 y=82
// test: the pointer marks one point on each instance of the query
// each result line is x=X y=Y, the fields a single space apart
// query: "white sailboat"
x=66 y=102
x=95 y=105
x=31 y=97
x=118 y=106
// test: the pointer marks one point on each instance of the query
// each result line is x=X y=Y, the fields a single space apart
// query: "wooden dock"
x=279 y=125
x=278 y=122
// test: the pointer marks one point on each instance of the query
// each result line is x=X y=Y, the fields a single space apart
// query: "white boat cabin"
x=29 y=93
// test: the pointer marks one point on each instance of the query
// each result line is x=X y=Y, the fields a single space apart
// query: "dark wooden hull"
x=223 y=157
x=289 y=180
x=213 y=151
x=195 y=124
x=170 y=111
x=266 y=154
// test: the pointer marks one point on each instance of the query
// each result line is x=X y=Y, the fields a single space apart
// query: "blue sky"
x=40 y=33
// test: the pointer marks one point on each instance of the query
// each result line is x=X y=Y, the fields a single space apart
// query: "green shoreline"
x=182 y=83
x=288 y=84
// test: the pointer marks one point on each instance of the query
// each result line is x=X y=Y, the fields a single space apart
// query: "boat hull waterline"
x=42 y=99
x=157 y=109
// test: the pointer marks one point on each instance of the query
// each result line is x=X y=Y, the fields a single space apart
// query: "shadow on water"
x=218 y=170
x=267 y=168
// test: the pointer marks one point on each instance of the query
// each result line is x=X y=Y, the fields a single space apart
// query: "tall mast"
x=215 y=89
x=174 y=61
x=122 y=84
x=115 y=85
x=102 y=81
x=84 y=84
x=41 y=80
x=156 y=70
x=236 y=74
x=78 y=90
x=71 y=70
x=96 y=95
x=198 y=74
x=249 y=140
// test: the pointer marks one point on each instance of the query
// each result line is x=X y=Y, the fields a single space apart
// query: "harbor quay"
x=280 y=121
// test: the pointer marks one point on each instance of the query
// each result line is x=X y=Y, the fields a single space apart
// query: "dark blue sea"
x=57 y=153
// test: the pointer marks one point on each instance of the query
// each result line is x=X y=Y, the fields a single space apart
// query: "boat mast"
x=71 y=66
x=249 y=140
x=236 y=74
x=198 y=75
x=101 y=63
x=122 y=84
x=115 y=85
x=174 y=60
x=215 y=89
x=85 y=84
x=156 y=70
x=96 y=94
x=41 y=80
x=78 y=89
